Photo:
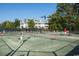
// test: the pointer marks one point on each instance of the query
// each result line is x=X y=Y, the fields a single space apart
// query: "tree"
x=1 y=26
x=66 y=15
x=7 y=25
x=31 y=23
x=65 y=8
x=55 y=22
x=70 y=11
x=17 y=22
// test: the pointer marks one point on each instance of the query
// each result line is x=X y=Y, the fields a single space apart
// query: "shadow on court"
x=74 y=52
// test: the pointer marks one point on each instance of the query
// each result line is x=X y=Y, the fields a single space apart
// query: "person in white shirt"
x=21 y=37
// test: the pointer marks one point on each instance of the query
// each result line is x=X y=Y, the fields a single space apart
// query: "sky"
x=10 y=11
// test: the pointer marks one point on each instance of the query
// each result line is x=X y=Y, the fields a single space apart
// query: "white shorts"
x=65 y=32
x=21 y=38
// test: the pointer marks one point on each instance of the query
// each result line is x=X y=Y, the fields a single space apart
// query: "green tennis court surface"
x=38 y=44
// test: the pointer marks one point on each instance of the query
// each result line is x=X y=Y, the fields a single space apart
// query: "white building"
x=23 y=24
x=38 y=24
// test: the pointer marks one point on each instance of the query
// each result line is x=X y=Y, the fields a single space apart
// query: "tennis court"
x=37 y=44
